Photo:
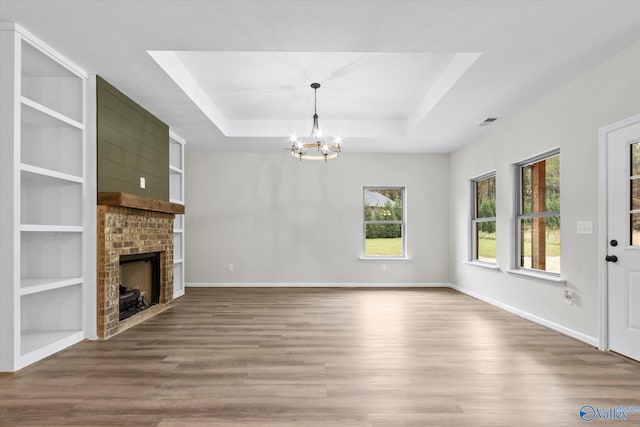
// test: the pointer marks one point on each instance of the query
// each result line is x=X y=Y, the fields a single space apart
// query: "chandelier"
x=325 y=151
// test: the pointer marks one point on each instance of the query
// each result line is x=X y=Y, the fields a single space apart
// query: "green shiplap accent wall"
x=132 y=143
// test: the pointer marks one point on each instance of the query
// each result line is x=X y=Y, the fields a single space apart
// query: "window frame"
x=473 y=247
x=403 y=223
x=519 y=215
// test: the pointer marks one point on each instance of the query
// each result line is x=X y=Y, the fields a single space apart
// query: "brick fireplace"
x=131 y=225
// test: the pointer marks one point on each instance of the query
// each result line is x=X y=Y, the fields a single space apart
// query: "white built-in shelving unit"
x=43 y=226
x=176 y=195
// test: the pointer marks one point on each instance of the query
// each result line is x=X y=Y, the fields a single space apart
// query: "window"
x=483 y=220
x=634 y=181
x=538 y=213
x=384 y=226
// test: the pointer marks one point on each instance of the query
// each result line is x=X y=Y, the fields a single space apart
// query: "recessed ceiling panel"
x=269 y=93
x=275 y=85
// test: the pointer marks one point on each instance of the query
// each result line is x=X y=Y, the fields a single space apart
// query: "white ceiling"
x=397 y=76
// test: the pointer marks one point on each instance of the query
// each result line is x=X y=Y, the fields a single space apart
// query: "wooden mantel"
x=126 y=200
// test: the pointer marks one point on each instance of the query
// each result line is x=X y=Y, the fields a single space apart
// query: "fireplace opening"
x=139 y=283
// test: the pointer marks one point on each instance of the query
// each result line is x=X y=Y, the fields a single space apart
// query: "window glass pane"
x=526 y=190
x=552 y=252
x=635 y=194
x=486 y=198
x=552 y=184
x=383 y=240
x=383 y=204
x=635 y=229
x=540 y=243
x=635 y=159
x=486 y=241
x=541 y=186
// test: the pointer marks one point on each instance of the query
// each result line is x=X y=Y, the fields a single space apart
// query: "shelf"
x=52 y=228
x=47 y=253
x=38 y=62
x=176 y=195
x=50 y=173
x=177 y=246
x=49 y=117
x=178 y=223
x=47 y=81
x=50 y=318
x=44 y=309
x=45 y=342
x=50 y=144
x=175 y=187
x=176 y=149
x=178 y=278
x=50 y=200
x=32 y=285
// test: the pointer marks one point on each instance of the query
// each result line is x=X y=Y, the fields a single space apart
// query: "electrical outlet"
x=143 y=182
x=383 y=267
x=230 y=267
x=568 y=297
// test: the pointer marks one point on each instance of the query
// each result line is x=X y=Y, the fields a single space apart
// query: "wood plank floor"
x=328 y=357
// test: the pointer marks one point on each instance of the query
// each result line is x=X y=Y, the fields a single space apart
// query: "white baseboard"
x=531 y=317
x=315 y=285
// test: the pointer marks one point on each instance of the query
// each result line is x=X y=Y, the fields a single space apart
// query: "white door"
x=623 y=245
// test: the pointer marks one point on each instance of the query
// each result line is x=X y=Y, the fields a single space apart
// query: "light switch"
x=585 y=227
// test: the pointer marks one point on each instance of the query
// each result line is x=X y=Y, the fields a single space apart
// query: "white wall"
x=569 y=118
x=279 y=220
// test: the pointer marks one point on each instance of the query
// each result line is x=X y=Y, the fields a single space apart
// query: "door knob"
x=611 y=258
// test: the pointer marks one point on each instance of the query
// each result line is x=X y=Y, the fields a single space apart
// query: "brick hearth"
x=128 y=231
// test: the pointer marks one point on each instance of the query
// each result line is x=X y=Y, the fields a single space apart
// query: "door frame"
x=603 y=219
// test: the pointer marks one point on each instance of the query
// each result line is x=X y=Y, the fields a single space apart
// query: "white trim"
x=47 y=228
x=384 y=259
x=44 y=48
x=531 y=317
x=473 y=220
x=518 y=216
x=314 y=285
x=549 y=277
x=487 y=265
x=603 y=235
x=36 y=170
x=33 y=285
x=50 y=113
x=555 y=151
x=403 y=223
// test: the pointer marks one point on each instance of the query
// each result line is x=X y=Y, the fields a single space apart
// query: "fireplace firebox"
x=139 y=283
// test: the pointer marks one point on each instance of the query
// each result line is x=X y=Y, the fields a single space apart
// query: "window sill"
x=486 y=265
x=540 y=276
x=385 y=259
